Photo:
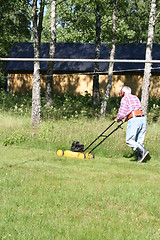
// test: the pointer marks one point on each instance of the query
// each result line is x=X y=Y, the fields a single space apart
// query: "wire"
x=79 y=60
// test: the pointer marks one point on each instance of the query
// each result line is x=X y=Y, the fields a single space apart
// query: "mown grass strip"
x=44 y=196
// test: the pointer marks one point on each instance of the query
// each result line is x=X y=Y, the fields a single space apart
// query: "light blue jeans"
x=136 y=130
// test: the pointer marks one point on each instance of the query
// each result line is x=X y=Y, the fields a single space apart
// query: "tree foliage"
x=138 y=20
x=14 y=24
x=76 y=21
x=14 y=27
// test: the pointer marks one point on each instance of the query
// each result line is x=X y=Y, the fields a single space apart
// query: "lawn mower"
x=78 y=151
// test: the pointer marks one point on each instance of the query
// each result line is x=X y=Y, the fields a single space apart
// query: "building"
x=77 y=77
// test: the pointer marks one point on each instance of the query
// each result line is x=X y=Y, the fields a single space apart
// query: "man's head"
x=124 y=90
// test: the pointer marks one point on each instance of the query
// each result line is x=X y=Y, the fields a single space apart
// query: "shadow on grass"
x=134 y=156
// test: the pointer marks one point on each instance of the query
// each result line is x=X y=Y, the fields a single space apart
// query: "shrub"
x=153 y=110
x=15 y=138
x=15 y=103
x=70 y=106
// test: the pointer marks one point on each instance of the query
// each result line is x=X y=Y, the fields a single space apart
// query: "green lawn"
x=43 y=196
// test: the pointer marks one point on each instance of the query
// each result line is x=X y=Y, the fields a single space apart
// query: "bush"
x=15 y=138
x=154 y=110
x=15 y=103
x=70 y=106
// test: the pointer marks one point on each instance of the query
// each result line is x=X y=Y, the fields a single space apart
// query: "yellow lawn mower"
x=78 y=151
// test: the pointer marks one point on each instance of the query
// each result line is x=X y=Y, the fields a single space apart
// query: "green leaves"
x=14 y=24
x=15 y=139
x=76 y=21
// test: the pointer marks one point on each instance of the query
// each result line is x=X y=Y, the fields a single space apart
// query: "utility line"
x=79 y=60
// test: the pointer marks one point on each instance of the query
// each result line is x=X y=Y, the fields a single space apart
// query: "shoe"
x=143 y=153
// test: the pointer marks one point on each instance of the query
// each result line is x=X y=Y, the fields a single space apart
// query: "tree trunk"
x=36 y=90
x=111 y=64
x=97 y=56
x=148 y=66
x=49 y=80
x=36 y=98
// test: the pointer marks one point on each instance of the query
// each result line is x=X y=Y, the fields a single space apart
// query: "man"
x=130 y=110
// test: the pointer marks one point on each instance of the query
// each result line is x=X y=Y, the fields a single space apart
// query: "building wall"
x=81 y=83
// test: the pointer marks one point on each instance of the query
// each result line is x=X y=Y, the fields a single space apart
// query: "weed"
x=69 y=106
x=15 y=139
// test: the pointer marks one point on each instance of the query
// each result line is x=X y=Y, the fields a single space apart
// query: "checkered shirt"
x=128 y=104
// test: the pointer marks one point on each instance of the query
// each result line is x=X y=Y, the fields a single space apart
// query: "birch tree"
x=111 y=64
x=49 y=80
x=148 y=66
x=36 y=90
x=97 y=56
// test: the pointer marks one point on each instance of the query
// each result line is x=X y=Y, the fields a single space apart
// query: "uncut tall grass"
x=44 y=196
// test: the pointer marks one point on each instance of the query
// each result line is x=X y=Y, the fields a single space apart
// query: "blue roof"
x=83 y=51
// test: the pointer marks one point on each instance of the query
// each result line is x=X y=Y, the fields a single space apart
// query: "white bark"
x=49 y=80
x=148 y=66
x=36 y=90
x=111 y=65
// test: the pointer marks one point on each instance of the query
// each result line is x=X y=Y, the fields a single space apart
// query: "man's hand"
x=117 y=120
x=124 y=119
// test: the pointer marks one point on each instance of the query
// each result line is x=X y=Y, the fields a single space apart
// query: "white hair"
x=125 y=89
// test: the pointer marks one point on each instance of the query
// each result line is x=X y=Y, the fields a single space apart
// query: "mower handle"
x=99 y=136
x=119 y=126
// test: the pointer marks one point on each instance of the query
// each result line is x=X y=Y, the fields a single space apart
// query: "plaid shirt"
x=128 y=104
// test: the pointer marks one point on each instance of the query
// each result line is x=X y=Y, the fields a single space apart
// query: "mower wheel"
x=89 y=155
x=60 y=153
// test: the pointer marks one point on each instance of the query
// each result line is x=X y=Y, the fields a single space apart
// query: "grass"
x=48 y=197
